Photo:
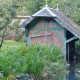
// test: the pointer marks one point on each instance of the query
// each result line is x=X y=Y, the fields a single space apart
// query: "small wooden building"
x=51 y=26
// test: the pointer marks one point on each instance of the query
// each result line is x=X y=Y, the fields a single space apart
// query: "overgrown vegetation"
x=7 y=14
x=77 y=47
x=36 y=62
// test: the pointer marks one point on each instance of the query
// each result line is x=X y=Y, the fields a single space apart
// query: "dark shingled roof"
x=45 y=12
x=59 y=17
x=26 y=22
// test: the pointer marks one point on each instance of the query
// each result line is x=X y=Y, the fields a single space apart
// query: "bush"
x=77 y=47
x=18 y=35
x=39 y=61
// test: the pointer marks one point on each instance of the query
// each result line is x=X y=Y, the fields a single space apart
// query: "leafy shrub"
x=77 y=47
x=36 y=60
x=18 y=35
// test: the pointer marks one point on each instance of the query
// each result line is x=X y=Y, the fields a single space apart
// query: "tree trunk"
x=3 y=37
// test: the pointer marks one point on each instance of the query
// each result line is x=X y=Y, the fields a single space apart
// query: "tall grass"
x=37 y=60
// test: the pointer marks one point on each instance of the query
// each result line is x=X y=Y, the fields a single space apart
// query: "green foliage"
x=69 y=7
x=36 y=60
x=31 y=8
x=77 y=47
x=7 y=14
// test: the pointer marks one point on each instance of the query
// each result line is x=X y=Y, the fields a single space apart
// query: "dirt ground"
x=9 y=41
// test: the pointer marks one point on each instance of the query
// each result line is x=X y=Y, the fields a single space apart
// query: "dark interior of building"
x=70 y=47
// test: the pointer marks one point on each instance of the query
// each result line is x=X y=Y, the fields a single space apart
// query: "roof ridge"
x=42 y=10
x=38 y=11
x=51 y=12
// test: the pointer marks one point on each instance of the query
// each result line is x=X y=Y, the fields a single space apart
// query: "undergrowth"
x=37 y=61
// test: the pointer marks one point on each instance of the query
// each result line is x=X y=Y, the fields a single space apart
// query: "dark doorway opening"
x=70 y=51
x=70 y=48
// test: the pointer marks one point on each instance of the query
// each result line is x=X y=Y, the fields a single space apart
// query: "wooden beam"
x=22 y=17
x=27 y=38
x=48 y=34
x=33 y=26
x=64 y=47
x=61 y=38
x=67 y=27
x=57 y=24
x=71 y=39
x=36 y=32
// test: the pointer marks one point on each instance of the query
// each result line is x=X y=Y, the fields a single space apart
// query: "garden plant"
x=35 y=62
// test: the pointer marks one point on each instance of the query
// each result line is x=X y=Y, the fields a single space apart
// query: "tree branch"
x=3 y=37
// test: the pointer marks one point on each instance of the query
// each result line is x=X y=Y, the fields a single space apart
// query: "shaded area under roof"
x=27 y=22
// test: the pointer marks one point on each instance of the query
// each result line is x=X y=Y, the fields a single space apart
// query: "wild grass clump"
x=38 y=61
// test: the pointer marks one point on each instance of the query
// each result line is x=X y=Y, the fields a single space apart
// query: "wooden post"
x=27 y=36
x=64 y=42
x=64 y=47
x=46 y=24
x=68 y=53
